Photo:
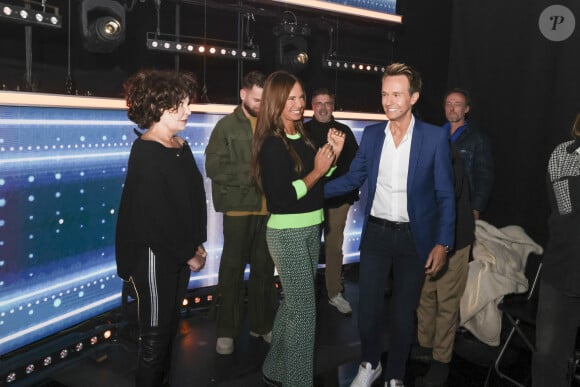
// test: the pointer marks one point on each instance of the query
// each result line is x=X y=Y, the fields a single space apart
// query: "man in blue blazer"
x=409 y=220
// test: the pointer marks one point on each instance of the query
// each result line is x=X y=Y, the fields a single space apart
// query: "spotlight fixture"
x=191 y=45
x=103 y=25
x=347 y=65
x=291 y=46
x=30 y=16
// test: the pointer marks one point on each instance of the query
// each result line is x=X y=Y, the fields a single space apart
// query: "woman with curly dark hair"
x=162 y=216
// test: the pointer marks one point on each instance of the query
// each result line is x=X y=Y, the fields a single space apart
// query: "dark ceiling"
x=52 y=57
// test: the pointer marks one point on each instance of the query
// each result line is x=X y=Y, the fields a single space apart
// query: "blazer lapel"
x=377 y=150
x=415 y=154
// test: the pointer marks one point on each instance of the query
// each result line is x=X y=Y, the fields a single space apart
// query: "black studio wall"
x=524 y=87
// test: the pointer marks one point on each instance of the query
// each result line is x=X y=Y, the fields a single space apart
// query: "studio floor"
x=337 y=351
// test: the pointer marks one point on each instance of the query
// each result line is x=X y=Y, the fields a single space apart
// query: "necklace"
x=177 y=145
x=170 y=143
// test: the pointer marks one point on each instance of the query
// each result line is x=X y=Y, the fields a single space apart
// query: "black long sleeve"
x=163 y=206
x=278 y=174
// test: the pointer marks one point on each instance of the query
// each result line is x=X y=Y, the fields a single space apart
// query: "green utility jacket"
x=227 y=163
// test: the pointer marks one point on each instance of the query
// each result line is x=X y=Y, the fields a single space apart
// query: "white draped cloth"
x=497 y=269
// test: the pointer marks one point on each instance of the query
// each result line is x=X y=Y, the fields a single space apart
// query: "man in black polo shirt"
x=335 y=209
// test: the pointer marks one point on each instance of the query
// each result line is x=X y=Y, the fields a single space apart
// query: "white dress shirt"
x=390 y=201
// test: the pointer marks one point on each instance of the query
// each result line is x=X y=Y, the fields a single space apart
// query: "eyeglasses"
x=454 y=104
x=327 y=104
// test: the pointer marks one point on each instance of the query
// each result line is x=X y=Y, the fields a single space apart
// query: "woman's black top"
x=163 y=207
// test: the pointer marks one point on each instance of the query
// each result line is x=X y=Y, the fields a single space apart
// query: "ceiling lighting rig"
x=348 y=65
x=38 y=15
x=291 y=44
x=192 y=45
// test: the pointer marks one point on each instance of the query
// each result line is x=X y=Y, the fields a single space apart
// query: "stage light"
x=11 y=377
x=185 y=302
x=40 y=359
x=291 y=46
x=347 y=65
x=191 y=45
x=30 y=15
x=103 y=25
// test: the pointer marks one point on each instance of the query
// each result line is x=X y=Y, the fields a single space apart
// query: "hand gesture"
x=198 y=261
x=336 y=139
x=323 y=159
x=436 y=260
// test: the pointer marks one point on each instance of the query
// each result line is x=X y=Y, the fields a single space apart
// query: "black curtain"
x=525 y=91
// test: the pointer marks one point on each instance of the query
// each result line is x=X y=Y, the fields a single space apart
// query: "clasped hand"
x=329 y=152
x=336 y=139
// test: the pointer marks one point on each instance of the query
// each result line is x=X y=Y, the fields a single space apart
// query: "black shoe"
x=269 y=382
x=437 y=375
x=421 y=354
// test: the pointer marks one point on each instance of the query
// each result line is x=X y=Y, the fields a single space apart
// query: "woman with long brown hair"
x=289 y=170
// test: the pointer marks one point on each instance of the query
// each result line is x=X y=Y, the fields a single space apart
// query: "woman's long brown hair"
x=277 y=88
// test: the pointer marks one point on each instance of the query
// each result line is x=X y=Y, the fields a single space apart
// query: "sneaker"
x=366 y=375
x=267 y=337
x=394 y=383
x=224 y=345
x=341 y=304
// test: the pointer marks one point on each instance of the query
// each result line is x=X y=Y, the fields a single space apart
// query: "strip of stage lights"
x=29 y=16
x=344 y=65
x=345 y=9
x=37 y=362
x=161 y=43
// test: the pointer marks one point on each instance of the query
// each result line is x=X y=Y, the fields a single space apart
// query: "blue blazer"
x=430 y=184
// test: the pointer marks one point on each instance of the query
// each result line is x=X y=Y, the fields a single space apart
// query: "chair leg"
x=500 y=356
x=488 y=376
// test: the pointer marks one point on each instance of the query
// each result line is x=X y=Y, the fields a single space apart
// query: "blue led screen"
x=61 y=176
x=387 y=6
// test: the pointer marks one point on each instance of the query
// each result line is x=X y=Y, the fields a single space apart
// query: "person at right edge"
x=473 y=147
x=558 y=315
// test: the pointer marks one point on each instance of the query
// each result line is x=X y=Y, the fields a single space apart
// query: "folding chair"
x=520 y=310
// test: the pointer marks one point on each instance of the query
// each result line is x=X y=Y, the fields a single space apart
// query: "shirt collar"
x=458 y=132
